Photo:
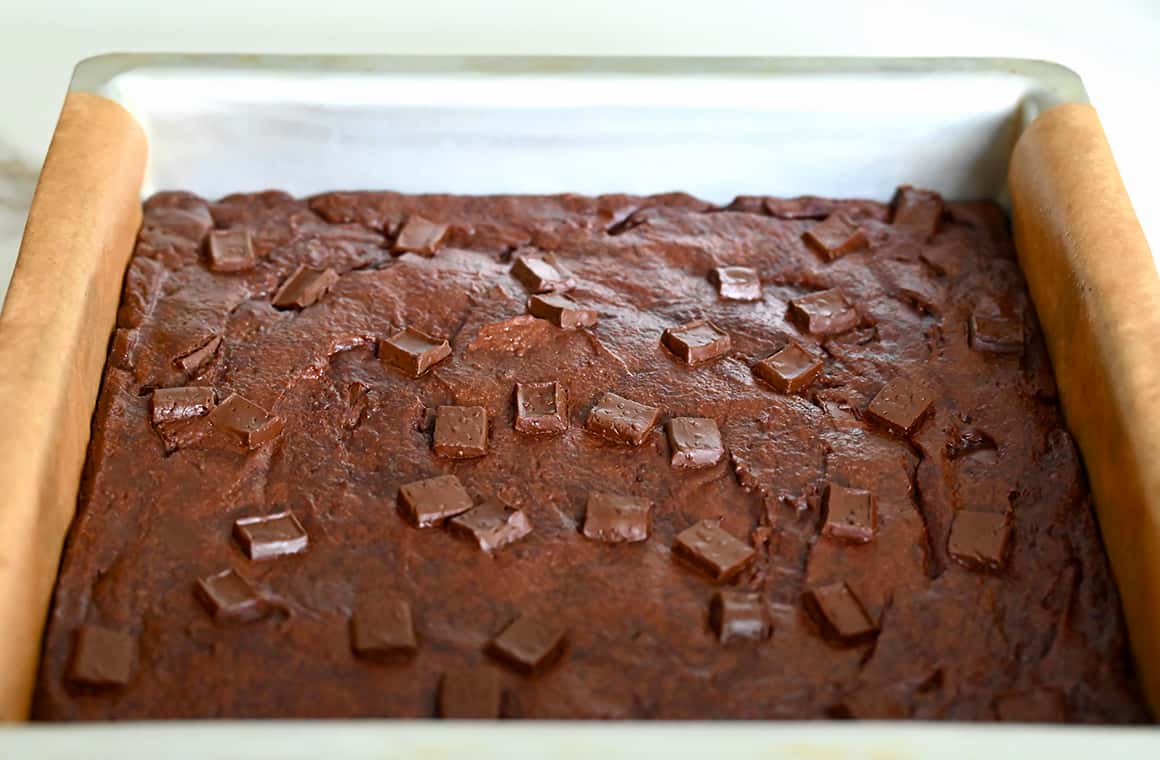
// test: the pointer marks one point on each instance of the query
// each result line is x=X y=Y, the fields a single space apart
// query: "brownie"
x=370 y=422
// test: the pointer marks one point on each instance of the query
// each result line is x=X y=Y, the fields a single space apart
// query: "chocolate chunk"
x=270 y=536
x=231 y=250
x=229 y=597
x=181 y=434
x=615 y=519
x=836 y=236
x=250 y=423
x=470 y=694
x=840 y=614
x=192 y=362
x=541 y=408
x=996 y=335
x=413 y=352
x=460 y=432
x=851 y=514
x=739 y=615
x=1036 y=706
x=529 y=644
x=429 y=502
x=383 y=631
x=561 y=311
x=621 y=420
x=736 y=283
x=419 y=235
x=542 y=273
x=826 y=312
x=696 y=342
x=914 y=286
x=708 y=547
x=304 y=288
x=790 y=369
x=979 y=540
x=695 y=442
x=102 y=657
x=492 y=525
x=900 y=406
x=916 y=211
x=176 y=404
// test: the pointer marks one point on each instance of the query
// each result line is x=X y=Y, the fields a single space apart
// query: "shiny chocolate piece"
x=270 y=536
x=696 y=342
x=736 y=283
x=621 y=420
x=979 y=540
x=851 y=514
x=177 y=404
x=1033 y=706
x=492 y=525
x=427 y=503
x=304 y=288
x=541 y=408
x=102 y=657
x=460 y=432
x=997 y=335
x=900 y=406
x=825 y=312
x=561 y=311
x=195 y=360
x=542 y=273
x=383 y=631
x=917 y=212
x=615 y=519
x=528 y=644
x=837 y=236
x=413 y=352
x=419 y=235
x=248 y=422
x=230 y=598
x=231 y=250
x=790 y=369
x=839 y=614
x=739 y=616
x=695 y=442
x=470 y=694
x=713 y=550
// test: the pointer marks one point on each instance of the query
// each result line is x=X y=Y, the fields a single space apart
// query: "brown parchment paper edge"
x=1097 y=294
x=54 y=330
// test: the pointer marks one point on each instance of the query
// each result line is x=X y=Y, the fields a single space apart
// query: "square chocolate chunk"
x=177 y=404
x=900 y=406
x=542 y=273
x=916 y=211
x=790 y=369
x=270 y=536
x=304 y=288
x=470 y=694
x=997 y=335
x=229 y=597
x=840 y=614
x=711 y=549
x=429 y=502
x=851 y=514
x=736 y=283
x=561 y=311
x=529 y=644
x=826 y=312
x=247 y=421
x=739 y=616
x=621 y=420
x=979 y=540
x=413 y=352
x=695 y=442
x=460 y=432
x=195 y=360
x=102 y=657
x=231 y=250
x=696 y=342
x=615 y=519
x=492 y=525
x=419 y=235
x=383 y=631
x=541 y=408
x=836 y=236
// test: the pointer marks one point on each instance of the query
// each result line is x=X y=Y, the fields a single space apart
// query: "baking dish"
x=711 y=127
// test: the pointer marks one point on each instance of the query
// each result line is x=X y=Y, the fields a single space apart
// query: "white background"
x=1112 y=44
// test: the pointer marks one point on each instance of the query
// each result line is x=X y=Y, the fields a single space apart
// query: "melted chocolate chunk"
x=561 y=311
x=736 y=283
x=492 y=525
x=711 y=549
x=419 y=235
x=1036 y=706
x=614 y=518
x=917 y=212
x=695 y=442
x=826 y=312
x=470 y=694
x=836 y=236
x=229 y=597
x=840 y=614
x=304 y=288
x=248 y=422
x=900 y=406
x=231 y=250
x=542 y=273
x=383 y=631
x=851 y=514
x=790 y=369
x=177 y=404
x=620 y=420
x=696 y=342
x=529 y=644
x=427 y=503
x=102 y=657
x=997 y=335
x=460 y=432
x=541 y=408
x=739 y=616
x=413 y=352
x=270 y=536
x=979 y=540
x=194 y=361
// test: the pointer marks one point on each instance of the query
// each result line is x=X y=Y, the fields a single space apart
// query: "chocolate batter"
x=378 y=455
